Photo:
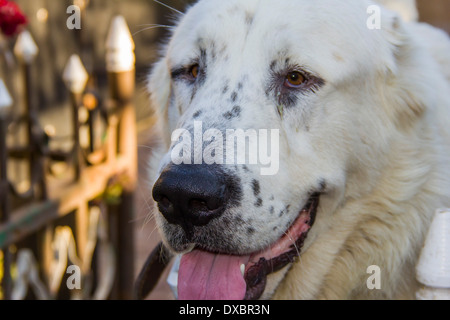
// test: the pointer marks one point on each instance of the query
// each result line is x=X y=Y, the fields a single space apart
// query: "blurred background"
x=47 y=94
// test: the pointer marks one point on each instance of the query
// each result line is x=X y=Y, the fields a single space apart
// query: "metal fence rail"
x=76 y=223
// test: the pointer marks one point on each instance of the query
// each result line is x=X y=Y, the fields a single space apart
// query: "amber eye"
x=294 y=79
x=194 y=71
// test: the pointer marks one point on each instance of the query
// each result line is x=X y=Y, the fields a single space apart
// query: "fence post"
x=26 y=51
x=75 y=77
x=5 y=105
x=120 y=60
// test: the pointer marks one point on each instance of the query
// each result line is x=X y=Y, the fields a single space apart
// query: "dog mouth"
x=205 y=275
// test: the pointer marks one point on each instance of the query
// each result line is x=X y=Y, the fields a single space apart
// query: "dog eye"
x=194 y=70
x=294 y=79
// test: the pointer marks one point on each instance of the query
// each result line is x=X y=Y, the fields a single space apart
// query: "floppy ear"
x=159 y=86
x=409 y=83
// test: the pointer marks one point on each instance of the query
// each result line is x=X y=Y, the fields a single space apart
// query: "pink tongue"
x=206 y=276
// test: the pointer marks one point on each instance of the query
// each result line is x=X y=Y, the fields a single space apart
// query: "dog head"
x=274 y=114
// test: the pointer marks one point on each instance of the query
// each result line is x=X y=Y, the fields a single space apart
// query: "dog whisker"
x=151 y=209
x=169 y=7
x=293 y=242
x=153 y=27
x=151 y=232
x=145 y=147
x=138 y=219
x=150 y=215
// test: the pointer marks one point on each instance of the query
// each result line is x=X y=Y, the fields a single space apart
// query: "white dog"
x=362 y=115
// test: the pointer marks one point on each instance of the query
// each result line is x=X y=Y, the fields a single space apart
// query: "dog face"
x=302 y=81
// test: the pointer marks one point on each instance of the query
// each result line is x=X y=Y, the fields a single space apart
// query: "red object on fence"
x=11 y=18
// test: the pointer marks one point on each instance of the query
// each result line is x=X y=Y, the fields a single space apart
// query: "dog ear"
x=159 y=86
x=409 y=83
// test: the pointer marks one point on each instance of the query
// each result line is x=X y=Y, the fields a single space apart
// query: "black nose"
x=191 y=195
